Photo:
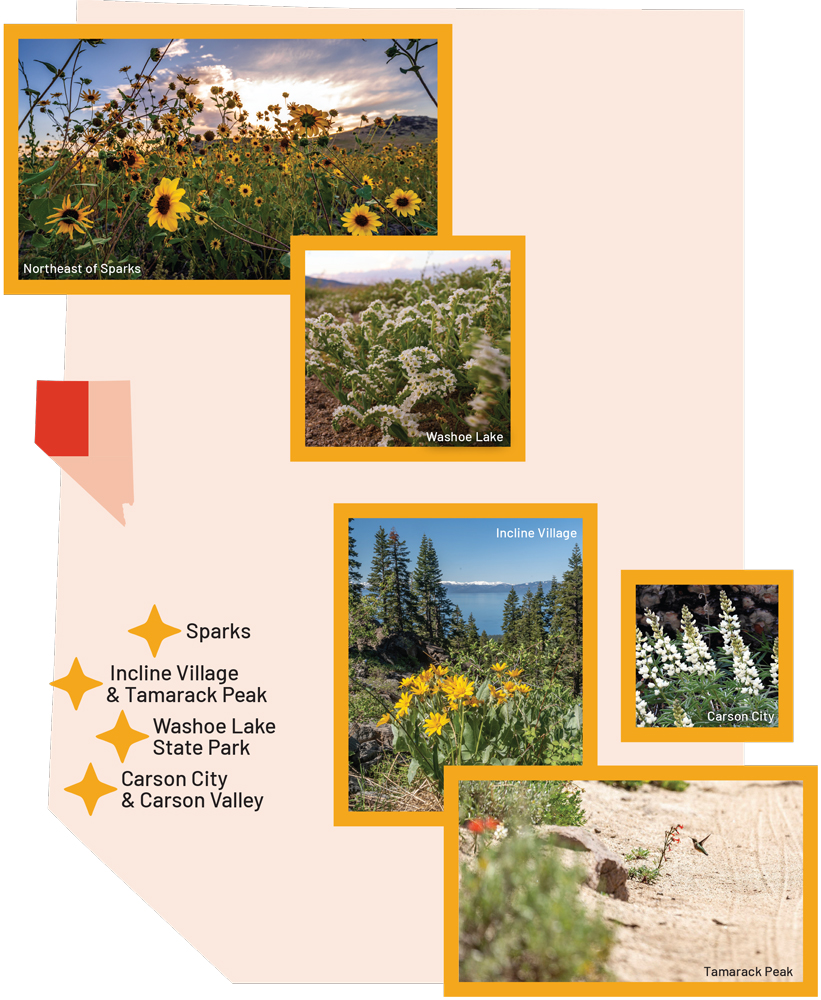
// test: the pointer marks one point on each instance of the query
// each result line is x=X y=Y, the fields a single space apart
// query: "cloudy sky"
x=350 y=75
x=365 y=267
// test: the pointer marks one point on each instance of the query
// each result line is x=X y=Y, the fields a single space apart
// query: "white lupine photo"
x=713 y=664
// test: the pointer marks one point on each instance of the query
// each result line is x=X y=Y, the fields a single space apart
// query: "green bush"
x=517 y=802
x=631 y=786
x=521 y=919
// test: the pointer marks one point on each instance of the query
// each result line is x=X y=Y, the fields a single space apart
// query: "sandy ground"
x=739 y=907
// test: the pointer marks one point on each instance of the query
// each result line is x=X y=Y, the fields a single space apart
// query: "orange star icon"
x=154 y=630
x=122 y=737
x=75 y=683
x=91 y=789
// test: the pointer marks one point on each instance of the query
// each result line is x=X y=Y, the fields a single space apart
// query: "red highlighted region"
x=61 y=425
x=85 y=427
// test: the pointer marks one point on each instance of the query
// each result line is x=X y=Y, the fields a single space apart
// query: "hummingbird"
x=699 y=844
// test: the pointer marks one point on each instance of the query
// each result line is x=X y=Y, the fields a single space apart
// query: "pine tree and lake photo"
x=465 y=644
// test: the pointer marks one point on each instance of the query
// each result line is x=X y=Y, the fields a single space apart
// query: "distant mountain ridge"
x=483 y=587
x=327 y=283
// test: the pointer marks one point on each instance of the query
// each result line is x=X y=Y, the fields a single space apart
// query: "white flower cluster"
x=646 y=663
x=500 y=832
x=774 y=665
x=664 y=648
x=744 y=669
x=696 y=650
x=410 y=348
x=643 y=716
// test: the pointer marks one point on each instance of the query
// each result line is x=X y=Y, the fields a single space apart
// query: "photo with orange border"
x=454 y=429
x=707 y=656
x=135 y=201
x=631 y=881
x=422 y=681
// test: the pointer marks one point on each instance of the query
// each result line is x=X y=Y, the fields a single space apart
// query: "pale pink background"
x=613 y=142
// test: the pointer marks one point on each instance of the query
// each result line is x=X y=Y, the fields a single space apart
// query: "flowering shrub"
x=428 y=363
x=643 y=873
x=447 y=718
x=251 y=182
x=683 y=682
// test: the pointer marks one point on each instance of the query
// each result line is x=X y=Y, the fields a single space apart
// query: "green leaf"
x=285 y=260
x=412 y=769
x=486 y=754
x=34 y=178
x=41 y=208
x=469 y=737
x=49 y=67
x=24 y=225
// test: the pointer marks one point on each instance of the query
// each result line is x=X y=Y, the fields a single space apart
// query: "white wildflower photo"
x=707 y=655
x=408 y=349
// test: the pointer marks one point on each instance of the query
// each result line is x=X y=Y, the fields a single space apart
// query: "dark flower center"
x=163 y=204
x=71 y=215
x=402 y=202
x=308 y=121
x=361 y=220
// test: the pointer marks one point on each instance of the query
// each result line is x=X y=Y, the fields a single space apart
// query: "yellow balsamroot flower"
x=403 y=705
x=434 y=723
x=406 y=681
x=419 y=687
x=309 y=120
x=458 y=687
x=441 y=671
x=499 y=667
x=404 y=202
x=516 y=672
x=501 y=696
x=67 y=219
x=361 y=221
x=510 y=687
x=523 y=688
x=385 y=718
x=166 y=205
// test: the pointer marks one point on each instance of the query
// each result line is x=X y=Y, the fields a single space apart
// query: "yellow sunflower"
x=361 y=221
x=67 y=219
x=166 y=205
x=309 y=120
x=245 y=190
x=404 y=202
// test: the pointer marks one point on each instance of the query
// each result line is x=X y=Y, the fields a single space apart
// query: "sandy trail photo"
x=738 y=907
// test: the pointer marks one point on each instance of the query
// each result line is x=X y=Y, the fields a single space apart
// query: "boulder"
x=607 y=871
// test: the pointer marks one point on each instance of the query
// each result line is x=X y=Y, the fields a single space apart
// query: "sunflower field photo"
x=183 y=159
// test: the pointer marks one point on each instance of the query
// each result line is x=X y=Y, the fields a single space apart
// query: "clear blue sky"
x=350 y=75
x=366 y=267
x=469 y=550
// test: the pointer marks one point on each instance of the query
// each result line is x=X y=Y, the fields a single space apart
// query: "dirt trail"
x=740 y=907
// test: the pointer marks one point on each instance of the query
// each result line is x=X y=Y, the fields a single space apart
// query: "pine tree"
x=354 y=576
x=533 y=631
x=380 y=571
x=510 y=619
x=433 y=608
x=458 y=629
x=399 y=604
x=471 y=633
x=568 y=621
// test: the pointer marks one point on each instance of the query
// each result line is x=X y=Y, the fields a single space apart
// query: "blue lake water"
x=485 y=608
